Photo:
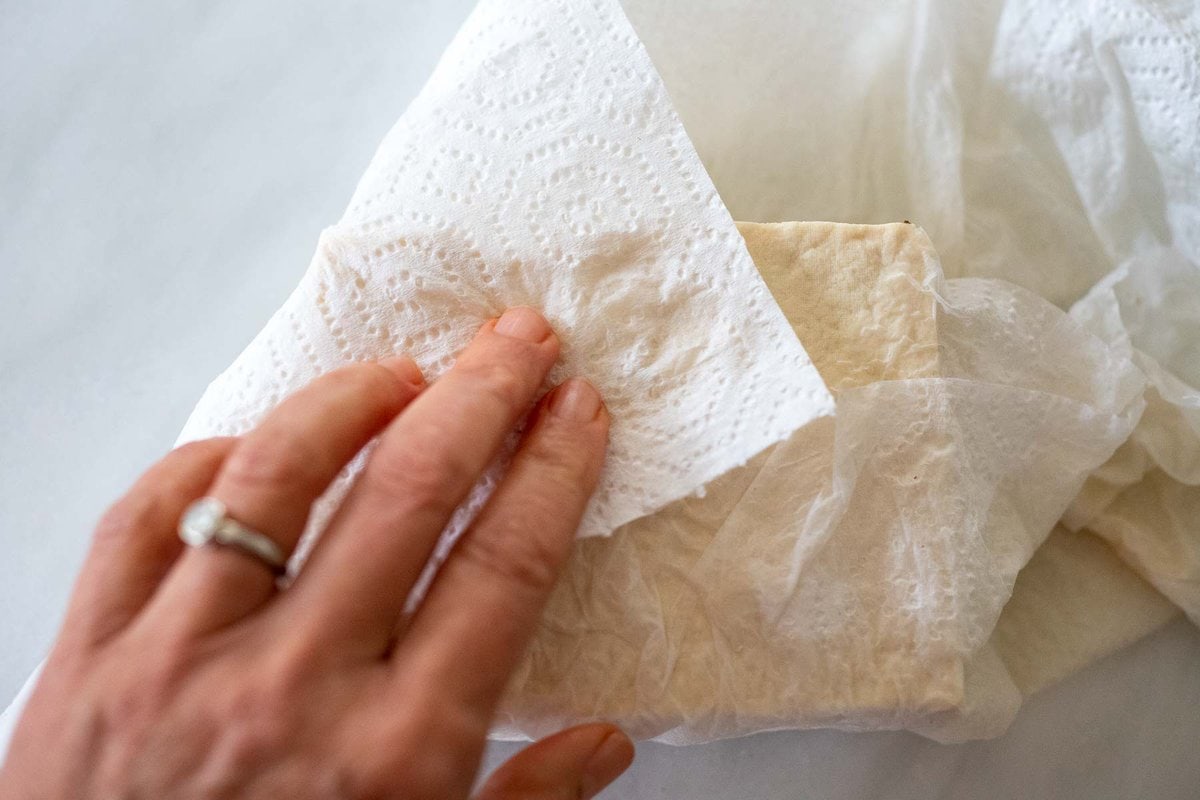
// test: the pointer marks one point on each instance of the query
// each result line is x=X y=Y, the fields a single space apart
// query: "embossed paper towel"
x=543 y=164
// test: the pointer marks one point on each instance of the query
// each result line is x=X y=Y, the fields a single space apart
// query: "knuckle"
x=128 y=711
x=252 y=735
x=515 y=552
x=257 y=715
x=202 y=448
x=126 y=518
x=563 y=463
x=424 y=758
x=273 y=462
x=175 y=659
x=124 y=720
x=136 y=698
x=368 y=381
x=291 y=669
x=502 y=381
x=423 y=475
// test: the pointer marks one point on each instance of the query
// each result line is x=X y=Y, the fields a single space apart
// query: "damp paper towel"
x=853 y=575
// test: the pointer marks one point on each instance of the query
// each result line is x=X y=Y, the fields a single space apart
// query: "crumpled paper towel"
x=1146 y=501
x=1126 y=558
x=1075 y=601
x=1045 y=143
x=853 y=575
x=543 y=165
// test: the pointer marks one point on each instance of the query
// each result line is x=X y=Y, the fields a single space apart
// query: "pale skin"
x=187 y=673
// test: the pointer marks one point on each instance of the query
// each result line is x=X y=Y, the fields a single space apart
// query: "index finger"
x=483 y=608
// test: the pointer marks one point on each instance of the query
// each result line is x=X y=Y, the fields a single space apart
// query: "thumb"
x=574 y=764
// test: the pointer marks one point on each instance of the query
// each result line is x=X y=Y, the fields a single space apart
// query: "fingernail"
x=576 y=400
x=404 y=368
x=612 y=757
x=523 y=323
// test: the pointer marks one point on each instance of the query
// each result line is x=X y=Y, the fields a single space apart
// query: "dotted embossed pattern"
x=544 y=165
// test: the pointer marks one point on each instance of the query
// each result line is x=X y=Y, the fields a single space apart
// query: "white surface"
x=180 y=120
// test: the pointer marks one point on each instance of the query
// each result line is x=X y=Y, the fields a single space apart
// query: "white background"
x=167 y=167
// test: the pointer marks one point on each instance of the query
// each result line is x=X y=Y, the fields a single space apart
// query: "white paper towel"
x=543 y=165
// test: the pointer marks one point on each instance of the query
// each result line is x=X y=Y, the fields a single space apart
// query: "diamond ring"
x=206 y=522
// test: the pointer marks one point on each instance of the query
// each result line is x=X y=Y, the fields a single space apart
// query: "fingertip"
x=526 y=326
x=524 y=323
x=578 y=762
x=405 y=369
x=573 y=417
x=610 y=759
x=576 y=400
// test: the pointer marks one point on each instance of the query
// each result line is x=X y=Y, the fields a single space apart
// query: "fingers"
x=485 y=603
x=572 y=764
x=135 y=542
x=353 y=588
x=271 y=478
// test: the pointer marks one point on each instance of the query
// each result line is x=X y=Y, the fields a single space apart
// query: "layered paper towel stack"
x=851 y=482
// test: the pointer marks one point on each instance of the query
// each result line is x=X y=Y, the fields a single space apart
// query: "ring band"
x=206 y=522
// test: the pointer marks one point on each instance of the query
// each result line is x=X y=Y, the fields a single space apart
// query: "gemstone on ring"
x=206 y=521
x=201 y=520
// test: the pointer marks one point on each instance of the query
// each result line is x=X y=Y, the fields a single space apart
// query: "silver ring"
x=206 y=522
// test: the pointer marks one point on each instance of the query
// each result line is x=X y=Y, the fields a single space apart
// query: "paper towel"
x=1040 y=142
x=853 y=575
x=543 y=165
x=1074 y=602
x=1146 y=501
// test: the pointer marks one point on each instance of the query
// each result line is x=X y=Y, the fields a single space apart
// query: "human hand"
x=186 y=673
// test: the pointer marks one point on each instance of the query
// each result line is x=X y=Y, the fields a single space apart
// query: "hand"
x=186 y=673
